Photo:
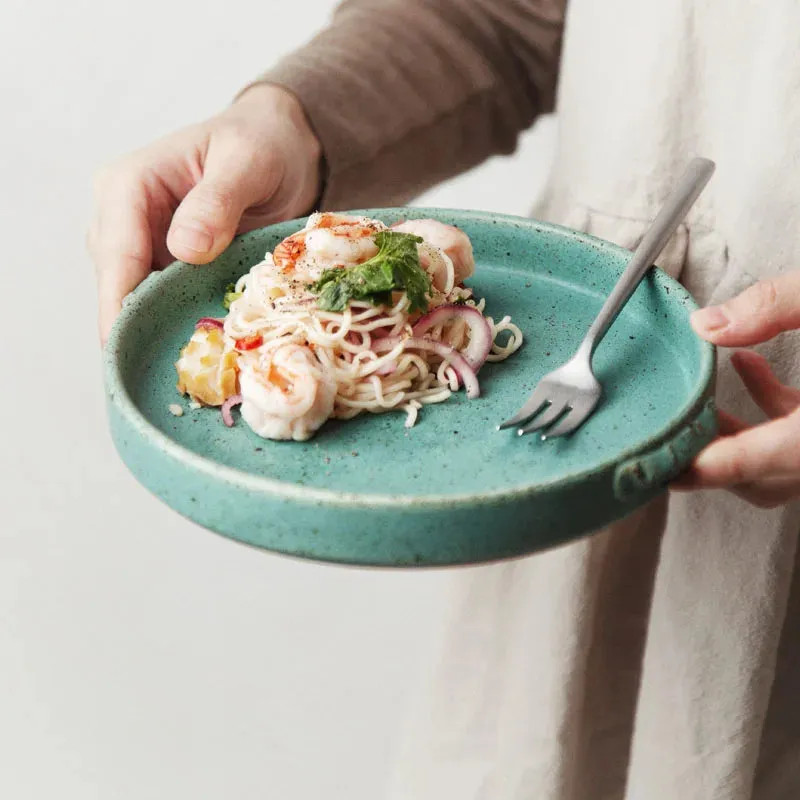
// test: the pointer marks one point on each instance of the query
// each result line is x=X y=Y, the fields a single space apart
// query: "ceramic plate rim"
x=117 y=393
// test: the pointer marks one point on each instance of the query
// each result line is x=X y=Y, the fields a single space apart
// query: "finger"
x=765 y=451
x=729 y=425
x=764 y=494
x=121 y=248
x=774 y=399
x=206 y=221
x=756 y=315
x=769 y=493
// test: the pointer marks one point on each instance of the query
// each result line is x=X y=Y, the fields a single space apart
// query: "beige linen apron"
x=649 y=661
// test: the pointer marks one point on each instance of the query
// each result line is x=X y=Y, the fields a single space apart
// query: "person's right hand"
x=188 y=195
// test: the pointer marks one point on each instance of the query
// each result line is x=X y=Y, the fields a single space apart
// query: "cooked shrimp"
x=206 y=370
x=339 y=246
x=286 y=254
x=286 y=393
x=439 y=266
x=327 y=219
x=328 y=240
x=452 y=241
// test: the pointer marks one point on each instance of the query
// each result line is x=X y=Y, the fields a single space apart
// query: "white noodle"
x=502 y=352
x=282 y=311
x=411 y=408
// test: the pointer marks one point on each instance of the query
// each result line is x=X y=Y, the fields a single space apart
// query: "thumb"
x=206 y=221
x=759 y=313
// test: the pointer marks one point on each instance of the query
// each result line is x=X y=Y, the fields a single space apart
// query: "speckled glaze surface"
x=451 y=490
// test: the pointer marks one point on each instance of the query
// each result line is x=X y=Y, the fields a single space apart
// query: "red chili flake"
x=249 y=342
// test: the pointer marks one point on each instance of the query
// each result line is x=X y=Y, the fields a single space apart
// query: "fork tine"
x=572 y=421
x=532 y=405
x=548 y=417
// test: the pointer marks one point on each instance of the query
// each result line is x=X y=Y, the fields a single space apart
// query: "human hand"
x=760 y=463
x=188 y=195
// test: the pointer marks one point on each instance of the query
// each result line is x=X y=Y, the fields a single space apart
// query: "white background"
x=141 y=657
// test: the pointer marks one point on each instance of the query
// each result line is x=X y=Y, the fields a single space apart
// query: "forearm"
x=403 y=94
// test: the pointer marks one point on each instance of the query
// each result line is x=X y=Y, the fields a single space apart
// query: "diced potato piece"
x=207 y=372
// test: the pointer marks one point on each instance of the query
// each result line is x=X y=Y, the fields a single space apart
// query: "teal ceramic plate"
x=452 y=490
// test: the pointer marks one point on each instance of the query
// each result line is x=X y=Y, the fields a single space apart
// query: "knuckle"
x=115 y=177
x=137 y=248
x=249 y=147
x=765 y=296
x=237 y=131
x=216 y=201
x=737 y=464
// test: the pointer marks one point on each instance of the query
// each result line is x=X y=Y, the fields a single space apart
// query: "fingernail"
x=710 y=319
x=197 y=239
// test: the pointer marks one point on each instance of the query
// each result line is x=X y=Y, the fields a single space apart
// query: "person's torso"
x=647 y=85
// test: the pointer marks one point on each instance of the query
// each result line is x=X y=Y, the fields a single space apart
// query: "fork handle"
x=677 y=206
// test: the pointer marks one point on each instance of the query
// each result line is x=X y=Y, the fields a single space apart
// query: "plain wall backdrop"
x=140 y=656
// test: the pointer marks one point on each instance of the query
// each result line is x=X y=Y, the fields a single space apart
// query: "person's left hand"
x=760 y=463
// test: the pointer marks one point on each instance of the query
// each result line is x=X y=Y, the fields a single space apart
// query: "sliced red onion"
x=227 y=417
x=209 y=322
x=480 y=333
x=387 y=343
x=457 y=361
x=380 y=333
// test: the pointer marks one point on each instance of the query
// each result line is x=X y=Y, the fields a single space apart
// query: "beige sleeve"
x=406 y=93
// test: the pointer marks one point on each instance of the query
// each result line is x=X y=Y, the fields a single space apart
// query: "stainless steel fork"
x=565 y=398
